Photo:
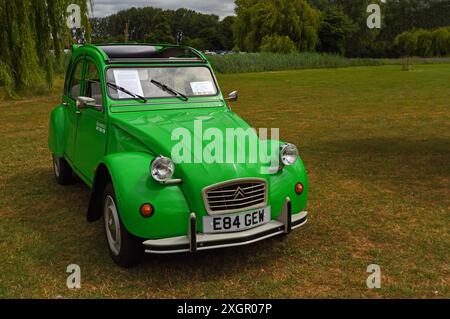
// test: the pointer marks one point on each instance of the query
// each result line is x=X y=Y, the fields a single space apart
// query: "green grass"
x=376 y=142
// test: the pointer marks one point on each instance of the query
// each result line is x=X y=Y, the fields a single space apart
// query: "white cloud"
x=222 y=8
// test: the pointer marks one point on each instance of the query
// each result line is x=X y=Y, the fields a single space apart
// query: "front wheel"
x=125 y=249
x=62 y=171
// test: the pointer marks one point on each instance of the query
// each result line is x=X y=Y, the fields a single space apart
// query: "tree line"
x=340 y=26
x=154 y=25
x=33 y=28
x=286 y=26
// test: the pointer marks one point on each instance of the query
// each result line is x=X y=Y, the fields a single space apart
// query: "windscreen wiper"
x=136 y=96
x=169 y=89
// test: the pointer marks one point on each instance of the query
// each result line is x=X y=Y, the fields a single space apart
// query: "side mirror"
x=233 y=96
x=85 y=102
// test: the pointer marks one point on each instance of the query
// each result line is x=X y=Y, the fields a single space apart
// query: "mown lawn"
x=376 y=142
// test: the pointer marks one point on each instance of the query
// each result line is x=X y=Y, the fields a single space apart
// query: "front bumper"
x=198 y=241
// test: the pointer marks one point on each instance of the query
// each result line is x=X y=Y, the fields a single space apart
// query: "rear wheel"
x=125 y=249
x=62 y=171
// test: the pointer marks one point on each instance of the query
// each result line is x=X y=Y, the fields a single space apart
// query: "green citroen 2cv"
x=114 y=129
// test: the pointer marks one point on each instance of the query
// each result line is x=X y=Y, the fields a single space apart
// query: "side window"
x=93 y=85
x=75 y=80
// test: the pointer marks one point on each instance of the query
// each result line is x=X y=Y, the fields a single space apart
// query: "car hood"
x=155 y=130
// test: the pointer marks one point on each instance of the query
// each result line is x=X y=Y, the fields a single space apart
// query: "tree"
x=195 y=25
x=197 y=43
x=161 y=26
x=406 y=43
x=30 y=30
x=278 y=44
x=257 y=19
x=424 y=43
x=441 y=42
x=335 y=28
x=161 y=31
x=226 y=32
x=401 y=15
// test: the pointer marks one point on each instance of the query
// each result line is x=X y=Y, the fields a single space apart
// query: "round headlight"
x=162 y=169
x=288 y=154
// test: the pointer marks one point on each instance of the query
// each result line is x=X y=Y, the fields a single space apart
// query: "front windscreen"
x=190 y=81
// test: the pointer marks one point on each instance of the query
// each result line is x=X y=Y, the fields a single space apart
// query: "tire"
x=125 y=249
x=62 y=171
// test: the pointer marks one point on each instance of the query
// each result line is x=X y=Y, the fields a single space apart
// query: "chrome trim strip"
x=232 y=182
x=232 y=191
x=173 y=181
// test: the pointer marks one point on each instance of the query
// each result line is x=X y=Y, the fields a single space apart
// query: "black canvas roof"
x=131 y=53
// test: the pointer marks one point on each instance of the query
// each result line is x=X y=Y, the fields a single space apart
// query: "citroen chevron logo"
x=239 y=193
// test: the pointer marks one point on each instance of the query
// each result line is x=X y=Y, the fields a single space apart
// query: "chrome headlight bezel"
x=288 y=154
x=162 y=169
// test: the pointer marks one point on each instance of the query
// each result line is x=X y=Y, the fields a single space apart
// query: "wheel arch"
x=129 y=174
x=102 y=178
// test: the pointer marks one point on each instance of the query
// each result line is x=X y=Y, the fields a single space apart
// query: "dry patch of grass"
x=376 y=142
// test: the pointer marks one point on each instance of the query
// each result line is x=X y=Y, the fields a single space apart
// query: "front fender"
x=134 y=186
x=56 y=142
x=282 y=185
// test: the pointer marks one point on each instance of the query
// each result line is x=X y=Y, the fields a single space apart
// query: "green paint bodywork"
x=135 y=133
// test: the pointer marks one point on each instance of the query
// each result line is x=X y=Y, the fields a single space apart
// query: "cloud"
x=222 y=8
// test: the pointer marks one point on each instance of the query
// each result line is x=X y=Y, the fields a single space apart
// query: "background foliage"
x=203 y=31
x=34 y=33
x=32 y=39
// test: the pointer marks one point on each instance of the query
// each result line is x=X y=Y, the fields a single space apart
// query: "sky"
x=222 y=8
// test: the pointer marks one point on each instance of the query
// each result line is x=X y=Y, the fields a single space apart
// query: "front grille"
x=233 y=196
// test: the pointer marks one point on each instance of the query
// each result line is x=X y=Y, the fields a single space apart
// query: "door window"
x=75 y=80
x=93 y=84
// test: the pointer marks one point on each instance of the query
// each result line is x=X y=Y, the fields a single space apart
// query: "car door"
x=73 y=89
x=90 y=143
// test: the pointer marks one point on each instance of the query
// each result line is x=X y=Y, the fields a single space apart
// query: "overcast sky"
x=221 y=8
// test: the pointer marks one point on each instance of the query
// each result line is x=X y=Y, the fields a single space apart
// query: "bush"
x=424 y=43
x=406 y=43
x=277 y=44
x=441 y=42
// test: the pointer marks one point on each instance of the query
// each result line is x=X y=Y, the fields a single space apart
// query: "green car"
x=136 y=123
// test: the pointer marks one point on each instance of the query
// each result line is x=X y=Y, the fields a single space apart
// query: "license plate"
x=236 y=222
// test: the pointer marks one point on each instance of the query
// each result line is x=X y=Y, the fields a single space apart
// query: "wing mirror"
x=233 y=96
x=85 y=102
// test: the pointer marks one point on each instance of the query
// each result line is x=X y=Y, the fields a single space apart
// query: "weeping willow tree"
x=261 y=24
x=33 y=36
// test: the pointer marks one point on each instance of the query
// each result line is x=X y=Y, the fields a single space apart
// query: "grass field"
x=376 y=142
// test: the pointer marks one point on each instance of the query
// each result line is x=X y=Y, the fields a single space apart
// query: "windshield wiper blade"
x=116 y=87
x=169 y=89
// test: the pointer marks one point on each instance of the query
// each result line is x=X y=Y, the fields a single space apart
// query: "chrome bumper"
x=198 y=241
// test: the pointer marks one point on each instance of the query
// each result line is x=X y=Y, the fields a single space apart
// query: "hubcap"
x=56 y=166
x=112 y=225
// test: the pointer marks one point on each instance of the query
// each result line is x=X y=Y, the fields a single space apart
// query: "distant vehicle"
x=210 y=52
x=113 y=129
